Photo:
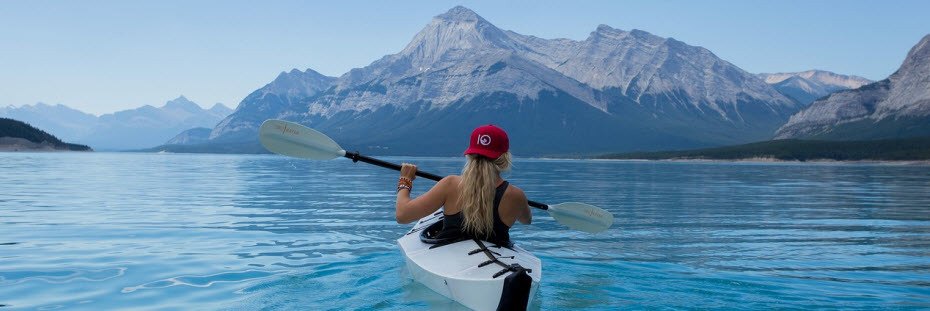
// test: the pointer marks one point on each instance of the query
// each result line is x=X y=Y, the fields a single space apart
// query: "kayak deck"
x=462 y=270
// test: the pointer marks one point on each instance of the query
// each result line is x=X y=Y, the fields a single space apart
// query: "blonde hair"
x=478 y=186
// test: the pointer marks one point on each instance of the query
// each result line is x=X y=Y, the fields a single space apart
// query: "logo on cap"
x=488 y=141
x=484 y=140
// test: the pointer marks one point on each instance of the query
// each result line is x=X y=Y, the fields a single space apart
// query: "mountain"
x=807 y=86
x=142 y=127
x=69 y=124
x=149 y=126
x=896 y=107
x=616 y=90
x=192 y=136
x=20 y=136
x=278 y=98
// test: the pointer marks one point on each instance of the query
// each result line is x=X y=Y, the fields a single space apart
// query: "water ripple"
x=143 y=231
x=201 y=281
x=59 y=276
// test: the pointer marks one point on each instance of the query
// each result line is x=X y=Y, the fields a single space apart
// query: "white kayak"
x=478 y=274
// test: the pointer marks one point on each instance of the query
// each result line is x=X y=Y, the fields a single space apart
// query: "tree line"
x=18 y=129
x=906 y=149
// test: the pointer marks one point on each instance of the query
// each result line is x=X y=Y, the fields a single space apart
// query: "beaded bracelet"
x=404 y=183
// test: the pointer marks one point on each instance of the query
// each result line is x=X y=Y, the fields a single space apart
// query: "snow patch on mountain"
x=819 y=76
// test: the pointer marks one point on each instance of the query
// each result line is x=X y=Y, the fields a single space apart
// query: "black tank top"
x=452 y=224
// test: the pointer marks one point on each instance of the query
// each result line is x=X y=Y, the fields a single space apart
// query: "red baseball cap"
x=488 y=141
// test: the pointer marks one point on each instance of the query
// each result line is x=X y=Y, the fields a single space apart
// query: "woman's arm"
x=514 y=207
x=524 y=214
x=408 y=210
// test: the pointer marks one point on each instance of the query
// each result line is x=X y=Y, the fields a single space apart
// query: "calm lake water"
x=102 y=231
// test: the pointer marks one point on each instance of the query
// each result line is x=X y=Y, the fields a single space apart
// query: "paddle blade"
x=295 y=140
x=580 y=216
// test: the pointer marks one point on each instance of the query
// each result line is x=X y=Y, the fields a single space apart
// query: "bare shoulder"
x=517 y=206
x=515 y=194
x=451 y=180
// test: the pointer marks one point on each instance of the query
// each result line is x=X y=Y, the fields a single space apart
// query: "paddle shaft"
x=355 y=156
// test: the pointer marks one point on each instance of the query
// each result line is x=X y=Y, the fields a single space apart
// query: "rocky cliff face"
x=629 y=90
x=641 y=65
x=898 y=106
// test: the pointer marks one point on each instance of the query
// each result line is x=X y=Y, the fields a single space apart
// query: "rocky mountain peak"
x=461 y=14
x=606 y=30
x=918 y=58
x=288 y=88
x=296 y=83
x=455 y=31
x=910 y=91
x=296 y=75
x=922 y=47
x=182 y=103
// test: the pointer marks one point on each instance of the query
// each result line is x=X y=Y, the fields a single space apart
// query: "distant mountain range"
x=896 y=107
x=138 y=128
x=807 y=86
x=63 y=121
x=614 y=91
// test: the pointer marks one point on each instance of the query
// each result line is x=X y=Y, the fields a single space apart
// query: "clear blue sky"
x=104 y=56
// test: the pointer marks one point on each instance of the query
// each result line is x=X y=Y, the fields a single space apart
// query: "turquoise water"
x=201 y=232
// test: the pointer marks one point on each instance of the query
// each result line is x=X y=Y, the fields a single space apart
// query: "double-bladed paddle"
x=295 y=140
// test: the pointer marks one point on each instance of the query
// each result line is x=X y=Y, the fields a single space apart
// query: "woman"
x=479 y=203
